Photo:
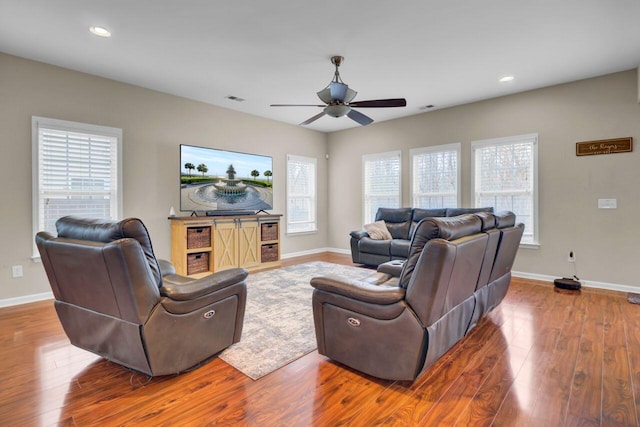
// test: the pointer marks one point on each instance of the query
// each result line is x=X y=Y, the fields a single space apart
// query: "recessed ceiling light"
x=506 y=79
x=100 y=31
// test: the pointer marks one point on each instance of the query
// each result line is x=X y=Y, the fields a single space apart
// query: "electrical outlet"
x=571 y=257
x=16 y=271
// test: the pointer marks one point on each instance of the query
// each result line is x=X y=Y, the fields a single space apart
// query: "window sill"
x=530 y=245
x=301 y=233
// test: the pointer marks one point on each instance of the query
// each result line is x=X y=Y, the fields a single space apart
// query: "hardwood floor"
x=542 y=358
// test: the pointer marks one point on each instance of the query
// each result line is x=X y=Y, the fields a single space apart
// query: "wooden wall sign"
x=604 y=146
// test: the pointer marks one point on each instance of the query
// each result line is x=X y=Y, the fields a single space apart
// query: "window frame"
x=457 y=147
x=38 y=123
x=314 y=197
x=511 y=140
x=373 y=157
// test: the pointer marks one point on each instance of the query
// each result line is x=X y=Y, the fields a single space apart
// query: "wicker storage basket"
x=197 y=263
x=269 y=253
x=198 y=237
x=269 y=231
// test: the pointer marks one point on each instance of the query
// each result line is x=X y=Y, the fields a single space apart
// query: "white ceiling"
x=440 y=52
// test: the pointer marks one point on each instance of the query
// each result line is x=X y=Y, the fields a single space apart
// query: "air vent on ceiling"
x=234 y=98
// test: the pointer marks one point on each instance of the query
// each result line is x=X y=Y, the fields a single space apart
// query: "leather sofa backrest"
x=110 y=278
x=447 y=269
x=105 y=231
x=510 y=237
x=436 y=228
x=398 y=221
x=488 y=226
x=462 y=211
x=420 y=214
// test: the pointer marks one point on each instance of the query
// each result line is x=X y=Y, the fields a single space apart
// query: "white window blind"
x=381 y=183
x=435 y=175
x=506 y=177
x=301 y=194
x=76 y=171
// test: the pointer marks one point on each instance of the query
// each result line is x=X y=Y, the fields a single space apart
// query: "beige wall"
x=605 y=241
x=154 y=124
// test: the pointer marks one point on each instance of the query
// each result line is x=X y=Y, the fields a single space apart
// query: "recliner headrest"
x=451 y=228
x=488 y=220
x=505 y=219
x=106 y=231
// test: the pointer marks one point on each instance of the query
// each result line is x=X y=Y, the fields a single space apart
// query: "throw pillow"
x=378 y=230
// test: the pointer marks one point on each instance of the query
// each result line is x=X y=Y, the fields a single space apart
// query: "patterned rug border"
x=276 y=334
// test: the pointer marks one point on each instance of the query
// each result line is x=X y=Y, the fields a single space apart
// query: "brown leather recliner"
x=115 y=299
x=396 y=327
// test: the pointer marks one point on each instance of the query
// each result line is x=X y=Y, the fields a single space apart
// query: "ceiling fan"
x=338 y=97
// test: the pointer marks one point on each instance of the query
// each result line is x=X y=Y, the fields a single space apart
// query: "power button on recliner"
x=209 y=314
x=353 y=322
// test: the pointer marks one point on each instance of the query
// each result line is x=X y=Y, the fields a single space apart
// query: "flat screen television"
x=219 y=182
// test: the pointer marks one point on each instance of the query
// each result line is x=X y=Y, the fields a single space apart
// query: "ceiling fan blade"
x=359 y=117
x=312 y=119
x=380 y=103
x=296 y=105
x=338 y=91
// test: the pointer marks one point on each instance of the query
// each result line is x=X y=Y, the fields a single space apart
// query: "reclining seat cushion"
x=398 y=221
x=432 y=228
x=106 y=231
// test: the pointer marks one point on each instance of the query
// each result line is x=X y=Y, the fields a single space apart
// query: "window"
x=381 y=183
x=435 y=176
x=505 y=176
x=76 y=171
x=301 y=194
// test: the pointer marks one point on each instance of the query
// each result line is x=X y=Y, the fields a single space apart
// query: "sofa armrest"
x=182 y=288
x=359 y=234
x=166 y=268
x=358 y=290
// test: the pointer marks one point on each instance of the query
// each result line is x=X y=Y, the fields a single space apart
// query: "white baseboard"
x=585 y=283
x=316 y=251
x=8 y=302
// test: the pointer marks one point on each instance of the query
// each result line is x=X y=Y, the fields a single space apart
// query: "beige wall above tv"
x=154 y=125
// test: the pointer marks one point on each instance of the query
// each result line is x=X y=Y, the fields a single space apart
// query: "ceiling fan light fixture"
x=100 y=31
x=325 y=95
x=337 y=110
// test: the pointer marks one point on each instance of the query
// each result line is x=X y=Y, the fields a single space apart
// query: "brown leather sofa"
x=115 y=299
x=396 y=326
x=401 y=222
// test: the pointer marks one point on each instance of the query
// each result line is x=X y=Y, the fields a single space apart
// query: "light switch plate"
x=607 y=203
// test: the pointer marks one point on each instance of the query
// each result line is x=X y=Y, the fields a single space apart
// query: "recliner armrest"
x=182 y=288
x=359 y=234
x=359 y=290
x=393 y=268
x=166 y=268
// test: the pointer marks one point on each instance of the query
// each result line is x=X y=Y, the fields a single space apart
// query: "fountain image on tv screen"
x=212 y=179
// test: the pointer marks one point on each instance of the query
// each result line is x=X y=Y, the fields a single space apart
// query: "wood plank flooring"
x=542 y=358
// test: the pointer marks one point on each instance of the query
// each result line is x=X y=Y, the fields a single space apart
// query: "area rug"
x=278 y=322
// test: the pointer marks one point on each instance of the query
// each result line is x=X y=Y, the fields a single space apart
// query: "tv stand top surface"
x=226 y=215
